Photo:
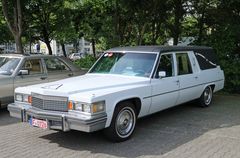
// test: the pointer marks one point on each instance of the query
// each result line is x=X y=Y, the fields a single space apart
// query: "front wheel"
x=206 y=97
x=123 y=122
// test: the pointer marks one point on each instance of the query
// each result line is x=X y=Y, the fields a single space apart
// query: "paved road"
x=185 y=131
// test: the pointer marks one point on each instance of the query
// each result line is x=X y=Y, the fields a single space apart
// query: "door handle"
x=43 y=78
x=196 y=77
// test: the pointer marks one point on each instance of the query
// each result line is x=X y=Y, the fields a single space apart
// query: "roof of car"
x=12 y=55
x=24 y=55
x=157 y=48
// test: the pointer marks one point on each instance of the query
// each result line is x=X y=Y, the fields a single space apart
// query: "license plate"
x=38 y=123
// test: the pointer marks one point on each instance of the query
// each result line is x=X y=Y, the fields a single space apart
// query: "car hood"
x=81 y=84
x=4 y=76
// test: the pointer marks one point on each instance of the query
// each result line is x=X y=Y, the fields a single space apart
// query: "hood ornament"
x=54 y=86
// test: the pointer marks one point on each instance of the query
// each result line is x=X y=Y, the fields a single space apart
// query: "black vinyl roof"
x=158 y=48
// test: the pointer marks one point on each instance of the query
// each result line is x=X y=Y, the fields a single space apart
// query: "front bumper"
x=57 y=120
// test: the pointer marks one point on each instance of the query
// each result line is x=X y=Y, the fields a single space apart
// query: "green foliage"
x=223 y=41
x=225 y=38
x=44 y=18
x=5 y=33
x=113 y=23
x=86 y=62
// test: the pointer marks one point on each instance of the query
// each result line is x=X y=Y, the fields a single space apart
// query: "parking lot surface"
x=185 y=131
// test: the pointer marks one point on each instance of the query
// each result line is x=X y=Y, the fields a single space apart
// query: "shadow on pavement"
x=5 y=118
x=158 y=133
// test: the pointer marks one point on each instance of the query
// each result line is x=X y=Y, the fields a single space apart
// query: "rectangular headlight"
x=86 y=108
x=22 y=97
x=98 y=107
x=19 y=97
x=25 y=98
x=89 y=108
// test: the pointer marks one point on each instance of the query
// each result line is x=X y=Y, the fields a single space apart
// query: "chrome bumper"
x=57 y=120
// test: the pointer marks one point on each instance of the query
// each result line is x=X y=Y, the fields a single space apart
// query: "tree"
x=66 y=33
x=14 y=21
x=178 y=11
x=43 y=18
x=90 y=19
x=6 y=35
x=225 y=38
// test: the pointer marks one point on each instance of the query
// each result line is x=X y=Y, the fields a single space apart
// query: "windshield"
x=130 y=64
x=8 y=65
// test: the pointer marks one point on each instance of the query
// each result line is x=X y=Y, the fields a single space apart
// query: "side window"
x=166 y=64
x=54 y=64
x=183 y=64
x=34 y=66
x=206 y=59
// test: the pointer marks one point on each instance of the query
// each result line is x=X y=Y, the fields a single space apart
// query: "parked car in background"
x=126 y=83
x=76 y=56
x=21 y=70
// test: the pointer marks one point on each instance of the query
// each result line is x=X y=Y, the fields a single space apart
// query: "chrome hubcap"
x=125 y=122
x=207 y=96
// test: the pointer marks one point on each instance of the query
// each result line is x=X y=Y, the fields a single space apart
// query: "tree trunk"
x=76 y=45
x=177 y=21
x=19 y=48
x=93 y=48
x=63 y=49
x=176 y=30
x=49 y=47
x=14 y=22
x=175 y=38
x=141 y=33
x=155 y=31
x=116 y=22
x=46 y=38
x=200 y=25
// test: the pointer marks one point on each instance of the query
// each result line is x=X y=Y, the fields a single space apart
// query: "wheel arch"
x=136 y=102
x=111 y=130
x=212 y=85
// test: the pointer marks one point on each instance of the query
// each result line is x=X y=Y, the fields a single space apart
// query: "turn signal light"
x=70 y=105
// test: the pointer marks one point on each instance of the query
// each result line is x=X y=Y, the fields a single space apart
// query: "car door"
x=165 y=89
x=188 y=77
x=57 y=69
x=7 y=69
x=36 y=73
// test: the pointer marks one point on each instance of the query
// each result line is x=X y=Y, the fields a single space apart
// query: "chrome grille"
x=54 y=103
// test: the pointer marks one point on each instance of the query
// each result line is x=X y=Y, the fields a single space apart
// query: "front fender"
x=113 y=99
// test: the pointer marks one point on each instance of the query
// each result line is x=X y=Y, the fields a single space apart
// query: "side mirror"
x=162 y=74
x=23 y=72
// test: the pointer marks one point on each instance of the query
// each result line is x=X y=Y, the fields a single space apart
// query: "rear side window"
x=206 y=59
x=183 y=64
x=54 y=64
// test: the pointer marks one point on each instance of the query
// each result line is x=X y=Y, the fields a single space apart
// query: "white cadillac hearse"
x=126 y=83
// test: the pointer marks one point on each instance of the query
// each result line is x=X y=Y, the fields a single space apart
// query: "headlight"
x=19 y=97
x=87 y=108
x=98 y=107
x=23 y=98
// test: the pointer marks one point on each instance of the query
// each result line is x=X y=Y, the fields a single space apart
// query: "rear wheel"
x=123 y=122
x=206 y=97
